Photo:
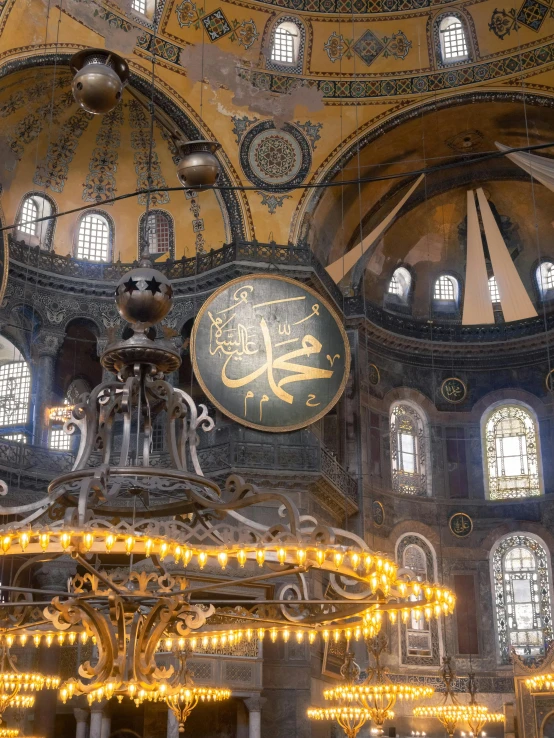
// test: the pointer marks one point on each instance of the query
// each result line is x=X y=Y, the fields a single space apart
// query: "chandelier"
x=17 y=688
x=540 y=683
x=170 y=521
x=372 y=699
x=451 y=712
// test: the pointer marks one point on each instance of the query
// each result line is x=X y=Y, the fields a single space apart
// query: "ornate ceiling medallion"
x=275 y=158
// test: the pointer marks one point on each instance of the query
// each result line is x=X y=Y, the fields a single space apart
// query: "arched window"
x=400 y=283
x=420 y=640
x=286 y=46
x=33 y=207
x=493 y=289
x=446 y=289
x=522 y=595
x=408 y=450
x=29 y=213
x=157 y=229
x=94 y=238
x=15 y=389
x=545 y=278
x=511 y=453
x=453 y=40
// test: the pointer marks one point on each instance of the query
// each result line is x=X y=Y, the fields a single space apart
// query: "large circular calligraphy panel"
x=270 y=352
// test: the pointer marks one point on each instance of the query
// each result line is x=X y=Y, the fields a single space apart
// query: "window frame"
x=490 y=280
x=454 y=286
x=489 y=443
x=405 y=482
x=142 y=232
x=435 y=38
x=499 y=551
x=452 y=19
x=543 y=272
x=20 y=422
x=111 y=235
x=404 y=279
x=44 y=231
x=297 y=65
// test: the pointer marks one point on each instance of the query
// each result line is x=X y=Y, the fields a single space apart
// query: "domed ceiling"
x=368 y=94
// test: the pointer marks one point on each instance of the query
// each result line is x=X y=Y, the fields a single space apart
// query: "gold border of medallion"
x=549 y=381
x=465 y=516
x=242 y=421
x=374 y=384
x=464 y=385
x=380 y=505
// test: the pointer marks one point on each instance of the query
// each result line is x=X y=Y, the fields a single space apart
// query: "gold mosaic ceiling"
x=365 y=66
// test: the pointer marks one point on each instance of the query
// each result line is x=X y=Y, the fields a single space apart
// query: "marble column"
x=254 y=705
x=510 y=714
x=43 y=385
x=172 y=725
x=96 y=719
x=81 y=716
x=106 y=722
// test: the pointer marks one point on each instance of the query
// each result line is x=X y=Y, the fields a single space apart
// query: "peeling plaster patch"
x=119 y=35
x=221 y=69
x=428 y=248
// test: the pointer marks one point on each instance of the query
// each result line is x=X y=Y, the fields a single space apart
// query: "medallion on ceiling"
x=275 y=158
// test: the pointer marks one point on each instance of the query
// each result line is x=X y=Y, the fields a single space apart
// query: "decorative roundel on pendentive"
x=454 y=390
x=275 y=158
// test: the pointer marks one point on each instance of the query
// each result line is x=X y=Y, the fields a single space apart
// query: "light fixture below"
x=100 y=76
x=199 y=167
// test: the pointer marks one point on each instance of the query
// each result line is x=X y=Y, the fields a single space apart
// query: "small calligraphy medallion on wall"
x=453 y=390
x=270 y=353
x=460 y=524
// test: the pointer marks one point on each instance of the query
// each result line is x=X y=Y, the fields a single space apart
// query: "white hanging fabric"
x=477 y=296
x=539 y=167
x=516 y=304
x=339 y=268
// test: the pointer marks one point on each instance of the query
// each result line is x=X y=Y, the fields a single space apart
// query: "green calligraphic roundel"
x=270 y=352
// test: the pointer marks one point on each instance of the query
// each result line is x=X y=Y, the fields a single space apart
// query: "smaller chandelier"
x=452 y=712
x=16 y=688
x=351 y=718
x=372 y=699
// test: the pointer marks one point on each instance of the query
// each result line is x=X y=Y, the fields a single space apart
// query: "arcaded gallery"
x=276 y=368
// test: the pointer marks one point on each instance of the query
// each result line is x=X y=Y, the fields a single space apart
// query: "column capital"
x=255 y=702
x=81 y=714
x=99 y=706
x=47 y=344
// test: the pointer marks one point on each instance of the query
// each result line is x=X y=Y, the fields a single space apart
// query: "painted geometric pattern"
x=52 y=172
x=368 y=47
x=144 y=164
x=403 y=86
x=29 y=127
x=100 y=181
x=216 y=25
x=532 y=14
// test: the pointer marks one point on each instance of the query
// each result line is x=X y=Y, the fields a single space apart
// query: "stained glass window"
x=511 y=448
x=521 y=578
x=419 y=637
x=15 y=388
x=408 y=449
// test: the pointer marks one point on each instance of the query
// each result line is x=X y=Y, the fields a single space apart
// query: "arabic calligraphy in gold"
x=270 y=352
x=454 y=390
x=460 y=524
